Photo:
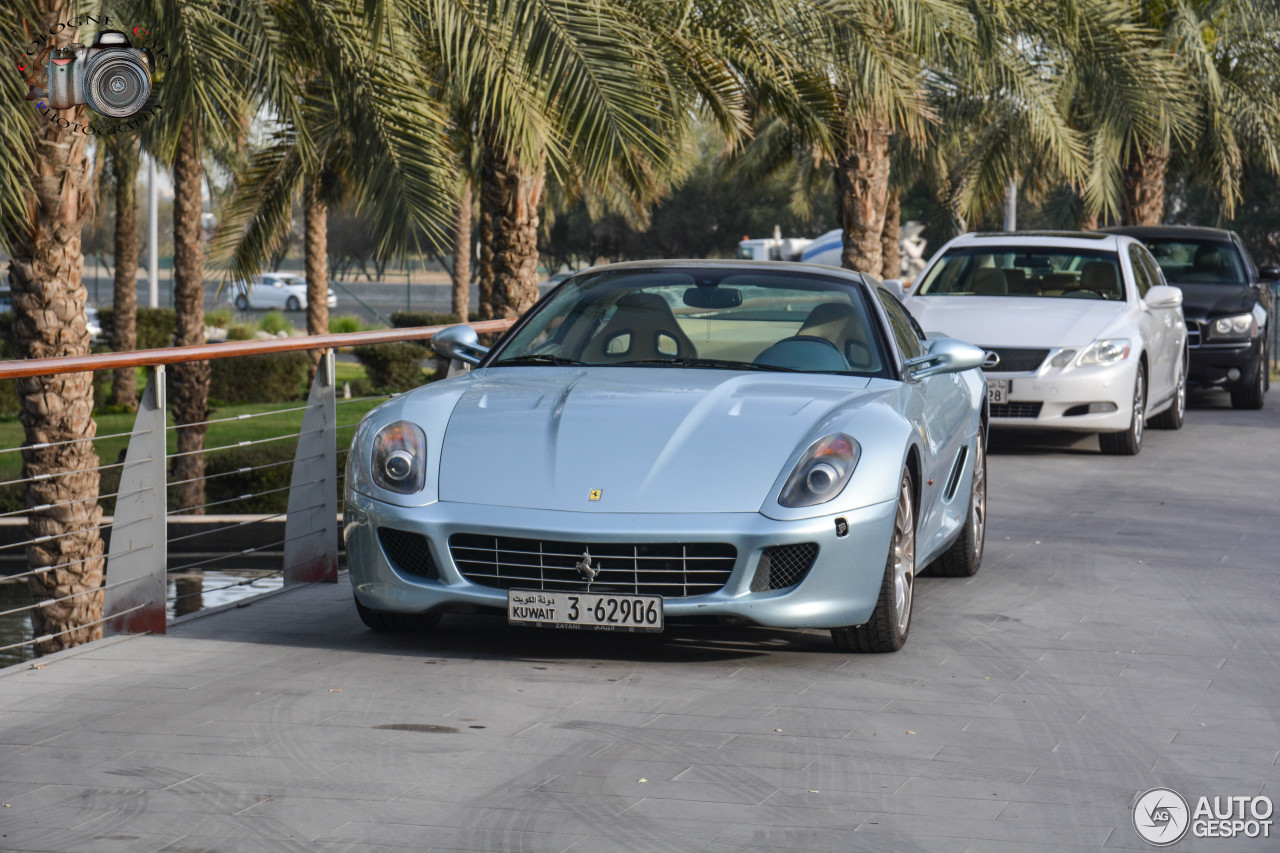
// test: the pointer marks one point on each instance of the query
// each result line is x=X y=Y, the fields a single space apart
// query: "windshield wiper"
x=689 y=361
x=536 y=358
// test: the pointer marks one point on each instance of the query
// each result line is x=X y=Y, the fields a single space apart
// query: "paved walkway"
x=1124 y=633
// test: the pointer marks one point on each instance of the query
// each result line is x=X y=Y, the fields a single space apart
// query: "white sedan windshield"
x=1023 y=271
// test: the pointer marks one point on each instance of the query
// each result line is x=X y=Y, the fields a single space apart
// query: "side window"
x=905 y=329
x=1141 y=273
x=1153 y=269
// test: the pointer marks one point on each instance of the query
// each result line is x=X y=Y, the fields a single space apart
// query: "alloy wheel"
x=904 y=556
x=978 y=498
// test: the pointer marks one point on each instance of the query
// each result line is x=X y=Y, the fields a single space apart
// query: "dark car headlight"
x=822 y=471
x=1240 y=327
x=399 y=461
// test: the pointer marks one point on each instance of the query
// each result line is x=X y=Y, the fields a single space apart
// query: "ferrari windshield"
x=702 y=318
x=1025 y=271
x=1198 y=261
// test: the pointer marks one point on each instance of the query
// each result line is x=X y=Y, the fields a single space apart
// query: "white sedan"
x=1080 y=329
x=275 y=290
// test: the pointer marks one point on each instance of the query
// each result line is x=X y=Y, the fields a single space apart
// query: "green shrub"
x=346 y=324
x=221 y=318
x=155 y=327
x=413 y=319
x=227 y=481
x=392 y=367
x=10 y=406
x=275 y=322
x=258 y=378
x=240 y=332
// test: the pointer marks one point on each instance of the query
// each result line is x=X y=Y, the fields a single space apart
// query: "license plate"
x=589 y=610
x=998 y=390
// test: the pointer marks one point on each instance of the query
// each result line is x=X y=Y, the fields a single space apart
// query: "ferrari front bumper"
x=840 y=589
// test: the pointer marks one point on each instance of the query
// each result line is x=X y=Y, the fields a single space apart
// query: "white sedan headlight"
x=1240 y=327
x=399 y=462
x=1105 y=352
x=822 y=471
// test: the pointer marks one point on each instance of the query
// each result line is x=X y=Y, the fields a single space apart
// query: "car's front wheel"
x=964 y=557
x=242 y=302
x=1256 y=394
x=1129 y=442
x=887 y=628
x=1173 y=417
x=396 y=623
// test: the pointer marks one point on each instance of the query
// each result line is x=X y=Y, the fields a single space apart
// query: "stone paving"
x=1123 y=634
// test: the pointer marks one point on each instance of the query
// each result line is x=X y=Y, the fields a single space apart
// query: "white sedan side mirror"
x=1163 y=296
x=895 y=286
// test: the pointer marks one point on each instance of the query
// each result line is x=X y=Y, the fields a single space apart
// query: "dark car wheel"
x=242 y=302
x=1173 y=417
x=1256 y=394
x=887 y=629
x=293 y=304
x=396 y=623
x=1129 y=442
x=964 y=557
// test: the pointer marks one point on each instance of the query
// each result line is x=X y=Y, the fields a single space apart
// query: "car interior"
x=982 y=271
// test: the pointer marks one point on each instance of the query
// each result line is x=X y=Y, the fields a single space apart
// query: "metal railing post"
x=135 y=576
x=311 y=527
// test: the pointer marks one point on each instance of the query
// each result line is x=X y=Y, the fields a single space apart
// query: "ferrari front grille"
x=1015 y=410
x=782 y=566
x=669 y=569
x=1015 y=359
x=408 y=552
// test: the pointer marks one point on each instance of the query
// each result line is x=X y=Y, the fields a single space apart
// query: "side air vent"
x=407 y=552
x=957 y=471
x=782 y=566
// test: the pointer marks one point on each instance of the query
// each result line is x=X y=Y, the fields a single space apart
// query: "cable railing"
x=152 y=540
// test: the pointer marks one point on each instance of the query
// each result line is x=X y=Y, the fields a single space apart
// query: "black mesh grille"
x=1015 y=410
x=674 y=570
x=1016 y=360
x=1193 y=333
x=408 y=552
x=782 y=566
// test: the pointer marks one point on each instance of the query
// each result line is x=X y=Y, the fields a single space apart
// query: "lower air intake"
x=782 y=566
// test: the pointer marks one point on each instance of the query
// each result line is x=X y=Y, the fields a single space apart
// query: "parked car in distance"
x=275 y=290
x=748 y=443
x=1080 y=330
x=1228 y=305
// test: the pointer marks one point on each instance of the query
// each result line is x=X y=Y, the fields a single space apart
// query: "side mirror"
x=946 y=355
x=1269 y=273
x=461 y=343
x=895 y=286
x=1164 y=296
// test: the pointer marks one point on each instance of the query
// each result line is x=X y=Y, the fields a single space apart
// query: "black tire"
x=1129 y=442
x=293 y=304
x=890 y=622
x=1256 y=394
x=1174 y=416
x=242 y=302
x=964 y=557
x=396 y=623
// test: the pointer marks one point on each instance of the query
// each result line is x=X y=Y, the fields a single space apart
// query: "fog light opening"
x=1101 y=408
x=1233 y=374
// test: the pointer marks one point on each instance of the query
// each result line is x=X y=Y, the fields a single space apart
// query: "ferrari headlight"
x=1105 y=352
x=1240 y=326
x=399 y=462
x=822 y=471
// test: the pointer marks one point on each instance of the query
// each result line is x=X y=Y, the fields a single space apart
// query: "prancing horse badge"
x=594 y=494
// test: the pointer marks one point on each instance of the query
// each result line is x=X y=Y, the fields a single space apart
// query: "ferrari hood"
x=646 y=439
x=1015 y=321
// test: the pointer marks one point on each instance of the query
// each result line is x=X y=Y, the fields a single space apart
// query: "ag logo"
x=1161 y=817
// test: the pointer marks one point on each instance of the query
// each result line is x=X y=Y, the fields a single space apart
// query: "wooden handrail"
x=231 y=349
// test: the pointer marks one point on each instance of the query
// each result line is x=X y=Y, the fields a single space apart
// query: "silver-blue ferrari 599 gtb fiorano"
x=737 y=442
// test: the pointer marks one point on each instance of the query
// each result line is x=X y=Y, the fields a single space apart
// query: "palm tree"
x=46 y=198
x=120 y=176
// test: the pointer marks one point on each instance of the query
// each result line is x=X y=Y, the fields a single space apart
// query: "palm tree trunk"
x=890 y=248
x=462 y=255
x=190 y=379
x=48 y=302
x=862 y=190
x=1144 y=174
x=124 y=297
x=316 y=250
x=509 y=200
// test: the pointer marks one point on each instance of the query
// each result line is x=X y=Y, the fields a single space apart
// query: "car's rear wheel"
x=1256 y=394
x=964 y=557
x=396 y=623
x=1129 y=442
x=1173 y=417
x=293 y=304
x=887 y=628
x=242 y=302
